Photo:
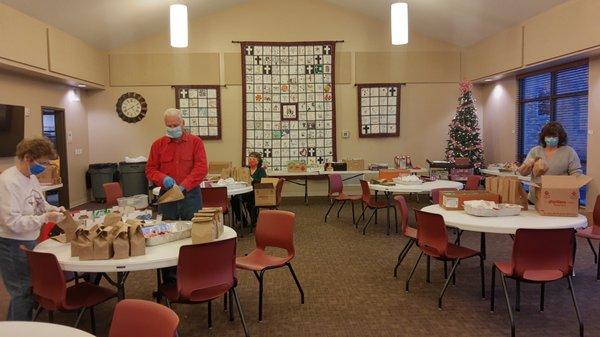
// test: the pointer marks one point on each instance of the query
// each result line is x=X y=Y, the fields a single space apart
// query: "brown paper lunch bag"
x=69 y=227
x=112 y=219
x=103 y=243
x=83 y=245
x=121 y=242
x=137 y=242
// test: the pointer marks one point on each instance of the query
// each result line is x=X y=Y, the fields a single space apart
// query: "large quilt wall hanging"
x=200 y=107
x=289 y=102
x=378 y=110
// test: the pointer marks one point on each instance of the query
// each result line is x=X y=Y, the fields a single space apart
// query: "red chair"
x=593 y=233
x=409 y=232
x=205 y=272
x=539 y=256
x=335 y=194
x=51 y=293
x=375 y=205
x=436 y=192
x=112 y=192
x=273 y=229
x=215 y=197
x=432 y=239
x=473 y=182
x=143 y=318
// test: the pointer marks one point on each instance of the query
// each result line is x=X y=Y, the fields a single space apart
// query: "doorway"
x=53 y=128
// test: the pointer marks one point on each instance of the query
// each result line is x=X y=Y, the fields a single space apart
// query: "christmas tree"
x=464 y=138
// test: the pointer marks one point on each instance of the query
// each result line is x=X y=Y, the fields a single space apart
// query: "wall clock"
x=131 y=107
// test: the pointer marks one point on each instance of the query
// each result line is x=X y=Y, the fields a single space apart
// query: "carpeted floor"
x=350 y=290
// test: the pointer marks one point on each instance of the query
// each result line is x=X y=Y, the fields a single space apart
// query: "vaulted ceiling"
x=107 y=24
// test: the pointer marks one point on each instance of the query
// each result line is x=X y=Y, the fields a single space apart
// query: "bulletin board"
x=200 y=107
x=378 y=110
x=289 y=102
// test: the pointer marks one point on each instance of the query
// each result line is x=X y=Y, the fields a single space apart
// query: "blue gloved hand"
x=182 y=188
x=168 y=182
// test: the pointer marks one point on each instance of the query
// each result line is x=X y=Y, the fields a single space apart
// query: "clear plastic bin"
x=138 y=201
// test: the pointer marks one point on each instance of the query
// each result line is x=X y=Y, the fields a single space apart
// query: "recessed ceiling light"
x=488 y=80
x=81 y=85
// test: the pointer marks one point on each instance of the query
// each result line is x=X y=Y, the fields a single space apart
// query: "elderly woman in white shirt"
x=23 y=211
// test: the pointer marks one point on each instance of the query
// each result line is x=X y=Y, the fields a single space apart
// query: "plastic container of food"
x=138 y=201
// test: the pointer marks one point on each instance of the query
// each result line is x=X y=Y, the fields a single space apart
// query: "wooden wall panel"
x=499 y=53
x=72 y=57
x=164 y=69
x=22 y=38
x=568 y=28
x=409 y=67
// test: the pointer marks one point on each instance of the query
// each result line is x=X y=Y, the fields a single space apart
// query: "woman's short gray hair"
x=172 y=112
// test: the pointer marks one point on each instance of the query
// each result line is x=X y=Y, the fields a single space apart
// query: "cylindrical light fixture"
x=399 y=23
x=179 y=26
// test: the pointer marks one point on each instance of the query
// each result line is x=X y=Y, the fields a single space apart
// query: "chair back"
x=279 y=190
x=275 y=228
x=403 y=208
x=143 y=318
x=205 y=267
x=543 y=249
x=473 y=182
x=366 y=191
x=215 y=197
x=112 y=191
x=47 y=279
x=596 y=217
x=435 y=194
x=336 y=186
x=431 y=232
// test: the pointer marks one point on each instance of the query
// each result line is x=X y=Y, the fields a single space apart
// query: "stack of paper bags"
x=69 y=227
x=207 y=225
x=137 y=242
x=509 y=188
x=171 y=195
x=237 y=173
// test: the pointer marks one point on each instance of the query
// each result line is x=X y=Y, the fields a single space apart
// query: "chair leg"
x=452 y=272
x=93 y=320
x=239 y=307
x=329 y=209
x=593 y=250
x=260 y=294
x=493 y=289
x=482 y=273
x=225 y=301
x=352 y=202
x=445 y=270
x=50 y=316
x=79 y=315
x=340 y=209
x=452 y=276
x=297 y=282
x=230 y=299
x=362 y=215
x=412 y=271
x=575 y=305
x=402 y=255
x=518 y=295
x=209 y=314
x=428 y=271
x=37 y=312
x=510 y=313
x=396 y=219
x=369 y=221
x=542 y=291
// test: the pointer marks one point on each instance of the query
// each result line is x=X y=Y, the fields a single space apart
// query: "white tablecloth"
x=506 y=224
x=425 y=187
x=39 y=329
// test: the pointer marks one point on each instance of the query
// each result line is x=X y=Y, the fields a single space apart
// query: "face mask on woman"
x=36 y=168
x=551 y=141
x=175 y=132
x=253 y=162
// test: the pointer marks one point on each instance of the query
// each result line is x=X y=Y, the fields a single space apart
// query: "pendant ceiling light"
x=179 y=25
x=399 y=23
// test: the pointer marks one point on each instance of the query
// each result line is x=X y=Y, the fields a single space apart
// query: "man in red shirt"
x=178 y=158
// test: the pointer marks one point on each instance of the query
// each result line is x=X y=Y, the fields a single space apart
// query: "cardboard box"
x=215 y=167
x=355 y=164
x=454 y=200
x=296 y=166
x=265 y=192
x=559 y=195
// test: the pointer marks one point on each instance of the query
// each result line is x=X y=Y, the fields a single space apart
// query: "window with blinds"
x=554 y=94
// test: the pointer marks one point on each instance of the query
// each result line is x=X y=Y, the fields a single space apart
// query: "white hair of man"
x=172 y=112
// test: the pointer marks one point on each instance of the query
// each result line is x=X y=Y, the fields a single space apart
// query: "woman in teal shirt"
x=257 y=172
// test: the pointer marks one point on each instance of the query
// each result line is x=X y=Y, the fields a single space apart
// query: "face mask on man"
x=36 y=168
x=175 y=132
x=551 y=141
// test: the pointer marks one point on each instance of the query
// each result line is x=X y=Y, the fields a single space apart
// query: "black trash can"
x=100 y=174
x=133 y=178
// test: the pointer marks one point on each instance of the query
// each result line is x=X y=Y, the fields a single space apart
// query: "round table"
x=156 y=257
x=39 y=329
x=425 y=187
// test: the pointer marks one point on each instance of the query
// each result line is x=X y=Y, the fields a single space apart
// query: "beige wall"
x=33 y=94
x=426 y=108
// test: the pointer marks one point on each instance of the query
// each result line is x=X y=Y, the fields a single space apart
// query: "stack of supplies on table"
x=113 y=238
x=509 y=188
x=207 y=225
x=158 y=233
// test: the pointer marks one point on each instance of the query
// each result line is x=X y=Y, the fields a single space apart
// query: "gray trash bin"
x=100 y=174
x=133 y=178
